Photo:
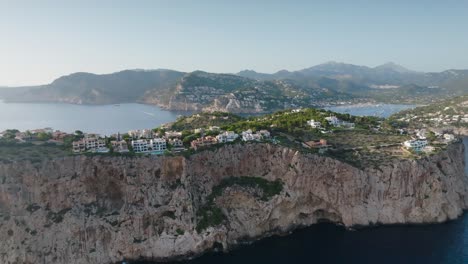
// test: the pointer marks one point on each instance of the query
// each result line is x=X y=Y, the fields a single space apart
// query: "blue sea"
x=110 y=119
x=101 y=119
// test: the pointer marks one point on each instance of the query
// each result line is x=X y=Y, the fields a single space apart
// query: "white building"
x=314 y=124
x=90 y=144
x=250 y=136
x=415 y=144
x=336 y=122
x=140 y=145
x=228 y=136
x=158 y=144
x=176 y=144
x=421 y=133
x=333 y=120
x=144 y=133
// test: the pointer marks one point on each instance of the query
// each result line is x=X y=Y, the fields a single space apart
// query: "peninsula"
x=213 y=181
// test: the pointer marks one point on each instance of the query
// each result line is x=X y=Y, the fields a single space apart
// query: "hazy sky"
x=42 y=40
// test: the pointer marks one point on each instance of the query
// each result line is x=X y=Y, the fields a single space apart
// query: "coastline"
x=93 y=188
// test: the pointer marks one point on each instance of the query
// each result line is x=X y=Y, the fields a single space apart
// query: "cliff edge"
x=106 y=209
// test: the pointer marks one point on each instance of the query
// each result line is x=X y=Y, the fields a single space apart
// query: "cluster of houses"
x=150 y=142
x=439 y=118
x=333 y=121
x=90 y=144
x=420 y=143
x=230 y=136
x=52 y=136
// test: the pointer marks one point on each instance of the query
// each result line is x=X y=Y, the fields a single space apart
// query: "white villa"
x=314 y=124
x=250 y=136
x=228 y=136
x=157 y=145
x=336 y=122
x=415 y=144
x=176 y=143
x=421 y=133
x=140 y=146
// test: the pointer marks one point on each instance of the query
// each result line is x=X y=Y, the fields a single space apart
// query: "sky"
x=43 y=40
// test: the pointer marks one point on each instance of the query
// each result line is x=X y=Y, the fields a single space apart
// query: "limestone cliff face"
x=104 y=209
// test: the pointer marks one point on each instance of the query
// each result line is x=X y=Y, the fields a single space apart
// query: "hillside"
x=202 y=91
x=451 y=113
x=389 y=82
x=88 y=88
x=249 y=91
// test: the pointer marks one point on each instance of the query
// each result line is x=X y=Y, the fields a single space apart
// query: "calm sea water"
x=109 y=119
x=381 y=110
x=103 y=119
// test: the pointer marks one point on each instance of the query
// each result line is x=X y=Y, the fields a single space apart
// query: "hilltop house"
x=336 y=122
x=177 y=144
x=421 y=133
x=203 y=142
x=138 y=134
x=78 y=146
x=140 y=145
x=120 y=146
x=228 y=136
x=248 y=135
x=156 y=145
x=92 y=144
x=314 y=124
x=415 y=144
x=321 y=144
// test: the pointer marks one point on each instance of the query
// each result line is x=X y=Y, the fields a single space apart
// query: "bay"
x=101 y=119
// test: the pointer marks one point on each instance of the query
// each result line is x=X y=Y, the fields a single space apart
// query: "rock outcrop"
x=106 y=209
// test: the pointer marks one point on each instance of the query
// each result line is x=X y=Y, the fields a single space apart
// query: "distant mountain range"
x=249 y=91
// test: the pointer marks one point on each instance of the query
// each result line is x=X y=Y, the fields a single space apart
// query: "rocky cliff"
x=104 y=209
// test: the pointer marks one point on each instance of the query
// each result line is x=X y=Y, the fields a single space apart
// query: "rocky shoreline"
x=107 y=209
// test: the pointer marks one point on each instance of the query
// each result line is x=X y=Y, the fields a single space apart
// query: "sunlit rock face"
x=106 y=209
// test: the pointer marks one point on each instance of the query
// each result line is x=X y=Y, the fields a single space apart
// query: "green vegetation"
x=211 y=215
x=179 y=231
x=13 y=152
x=185 y=123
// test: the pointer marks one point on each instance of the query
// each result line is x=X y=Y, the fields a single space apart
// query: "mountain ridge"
x=249 y=91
